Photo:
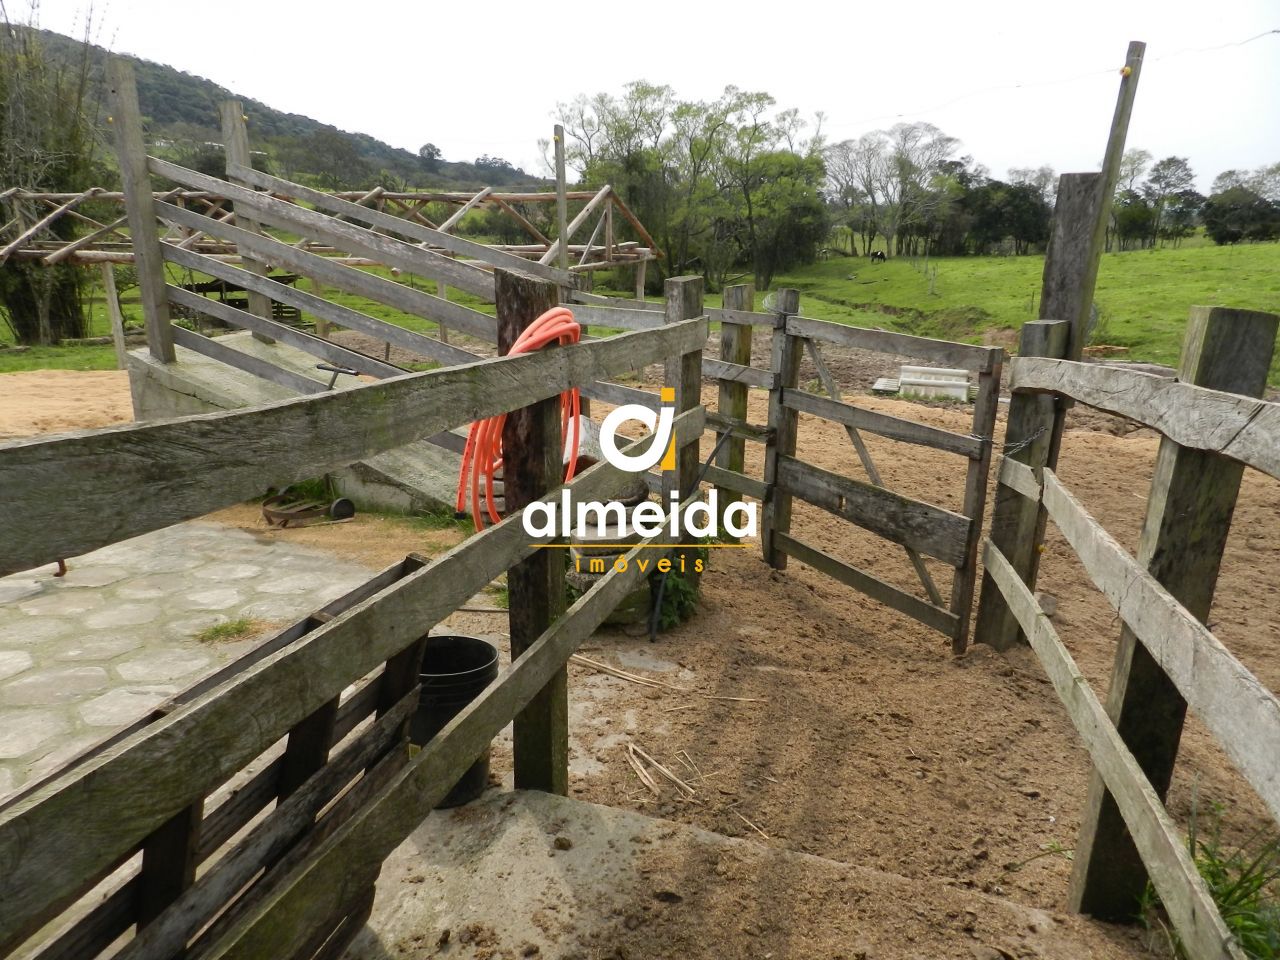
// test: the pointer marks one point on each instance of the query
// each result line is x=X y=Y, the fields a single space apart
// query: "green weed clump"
x=231 y=630
x=1242 y=879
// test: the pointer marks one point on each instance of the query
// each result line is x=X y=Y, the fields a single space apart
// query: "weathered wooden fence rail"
x=142 y=833
x=1168 y=660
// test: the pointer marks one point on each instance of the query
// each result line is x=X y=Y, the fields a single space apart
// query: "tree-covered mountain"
x=181 y=111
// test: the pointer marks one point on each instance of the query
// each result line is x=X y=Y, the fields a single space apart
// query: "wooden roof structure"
x=30 y=217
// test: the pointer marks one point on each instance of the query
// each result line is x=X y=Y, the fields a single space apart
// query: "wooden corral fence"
x=249 y=818
x=1212 y=428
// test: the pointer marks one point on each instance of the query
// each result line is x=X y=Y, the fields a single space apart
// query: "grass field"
x=1143 y=298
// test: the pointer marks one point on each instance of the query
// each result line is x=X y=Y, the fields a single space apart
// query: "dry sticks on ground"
x=650 y=682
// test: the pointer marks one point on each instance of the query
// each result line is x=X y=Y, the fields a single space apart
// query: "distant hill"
x=182 y=116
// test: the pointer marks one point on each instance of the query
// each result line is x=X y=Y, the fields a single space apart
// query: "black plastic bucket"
x=455 y=670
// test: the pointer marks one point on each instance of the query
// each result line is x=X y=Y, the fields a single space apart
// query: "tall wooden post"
x=639 y=278
x=684 y=373
x=1076 y=236
x=1017 y=523
x=735 y=347
x=785 y=364
x=131 y=151
x=975 y=501
x=235 y=137
x=533 y=463
x=1193 y=495
x=562 y=201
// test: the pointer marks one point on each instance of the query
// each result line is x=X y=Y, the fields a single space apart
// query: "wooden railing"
x=143 y=834
x=1168 y=659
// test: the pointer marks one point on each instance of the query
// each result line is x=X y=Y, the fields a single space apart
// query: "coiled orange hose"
x=482 y=456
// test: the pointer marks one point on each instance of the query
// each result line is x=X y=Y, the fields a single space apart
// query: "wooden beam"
x=463 y=210
x=882 y=424
x=131 y=153
x=914 y=523
x=980 y=359
x=1200 y=928
x=575 y=223
x=562 y=204
x=44 y=221
x=235 y=137
x=263 y=369
x=421 y=233
x=1215 y=421
x=616 y=318
x=684 y=375
x=351 y=280
x=735 y=352
x=784 y=364
x=128 y=480
x=964 y=584
x=936 y=618
x=1017 y=523
x=532 y=464
x=1239 y=710
x=330 y=352
x=117 y=318
x=350 y=237
x=1193 y=496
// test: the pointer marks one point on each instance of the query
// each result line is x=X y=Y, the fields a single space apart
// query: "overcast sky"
x=1019 y=83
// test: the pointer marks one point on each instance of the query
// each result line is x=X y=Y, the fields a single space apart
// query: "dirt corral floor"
x=844 y=729
x=54 y=401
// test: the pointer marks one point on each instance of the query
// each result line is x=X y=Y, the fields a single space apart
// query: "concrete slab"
x=533 y=875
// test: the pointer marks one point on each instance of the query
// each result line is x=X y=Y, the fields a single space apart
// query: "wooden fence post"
x=131 y=151
x=735 y=347
x=785 y=364
x=975 y=501
x=1193 y=495
x=533 y=463
x=684 y=373
x=1017 y=523
x=235 y=137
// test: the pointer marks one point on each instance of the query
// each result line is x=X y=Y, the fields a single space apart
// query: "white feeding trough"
x=934 y=382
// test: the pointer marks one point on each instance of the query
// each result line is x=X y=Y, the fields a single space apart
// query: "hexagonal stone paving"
x=45 y=686
x=13 y=662
x=94 y=651
x=98 y=647
x=123 y=615
x=157 y=665
x=22 y=731
x=120 y=707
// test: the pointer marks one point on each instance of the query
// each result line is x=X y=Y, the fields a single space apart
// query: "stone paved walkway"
x=86 y=654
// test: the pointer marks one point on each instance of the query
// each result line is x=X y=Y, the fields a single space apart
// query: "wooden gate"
x=922 y=529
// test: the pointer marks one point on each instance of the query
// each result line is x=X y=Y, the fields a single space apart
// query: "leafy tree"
x=1240 y=214
x=1043 y=179
x=1170 y=176
x=1134 y=218
x=430 y=155
x=48 y=115
x=1181 y=213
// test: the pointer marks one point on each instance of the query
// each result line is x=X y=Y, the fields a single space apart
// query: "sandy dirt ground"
x=54 y=401
x=860 y=738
